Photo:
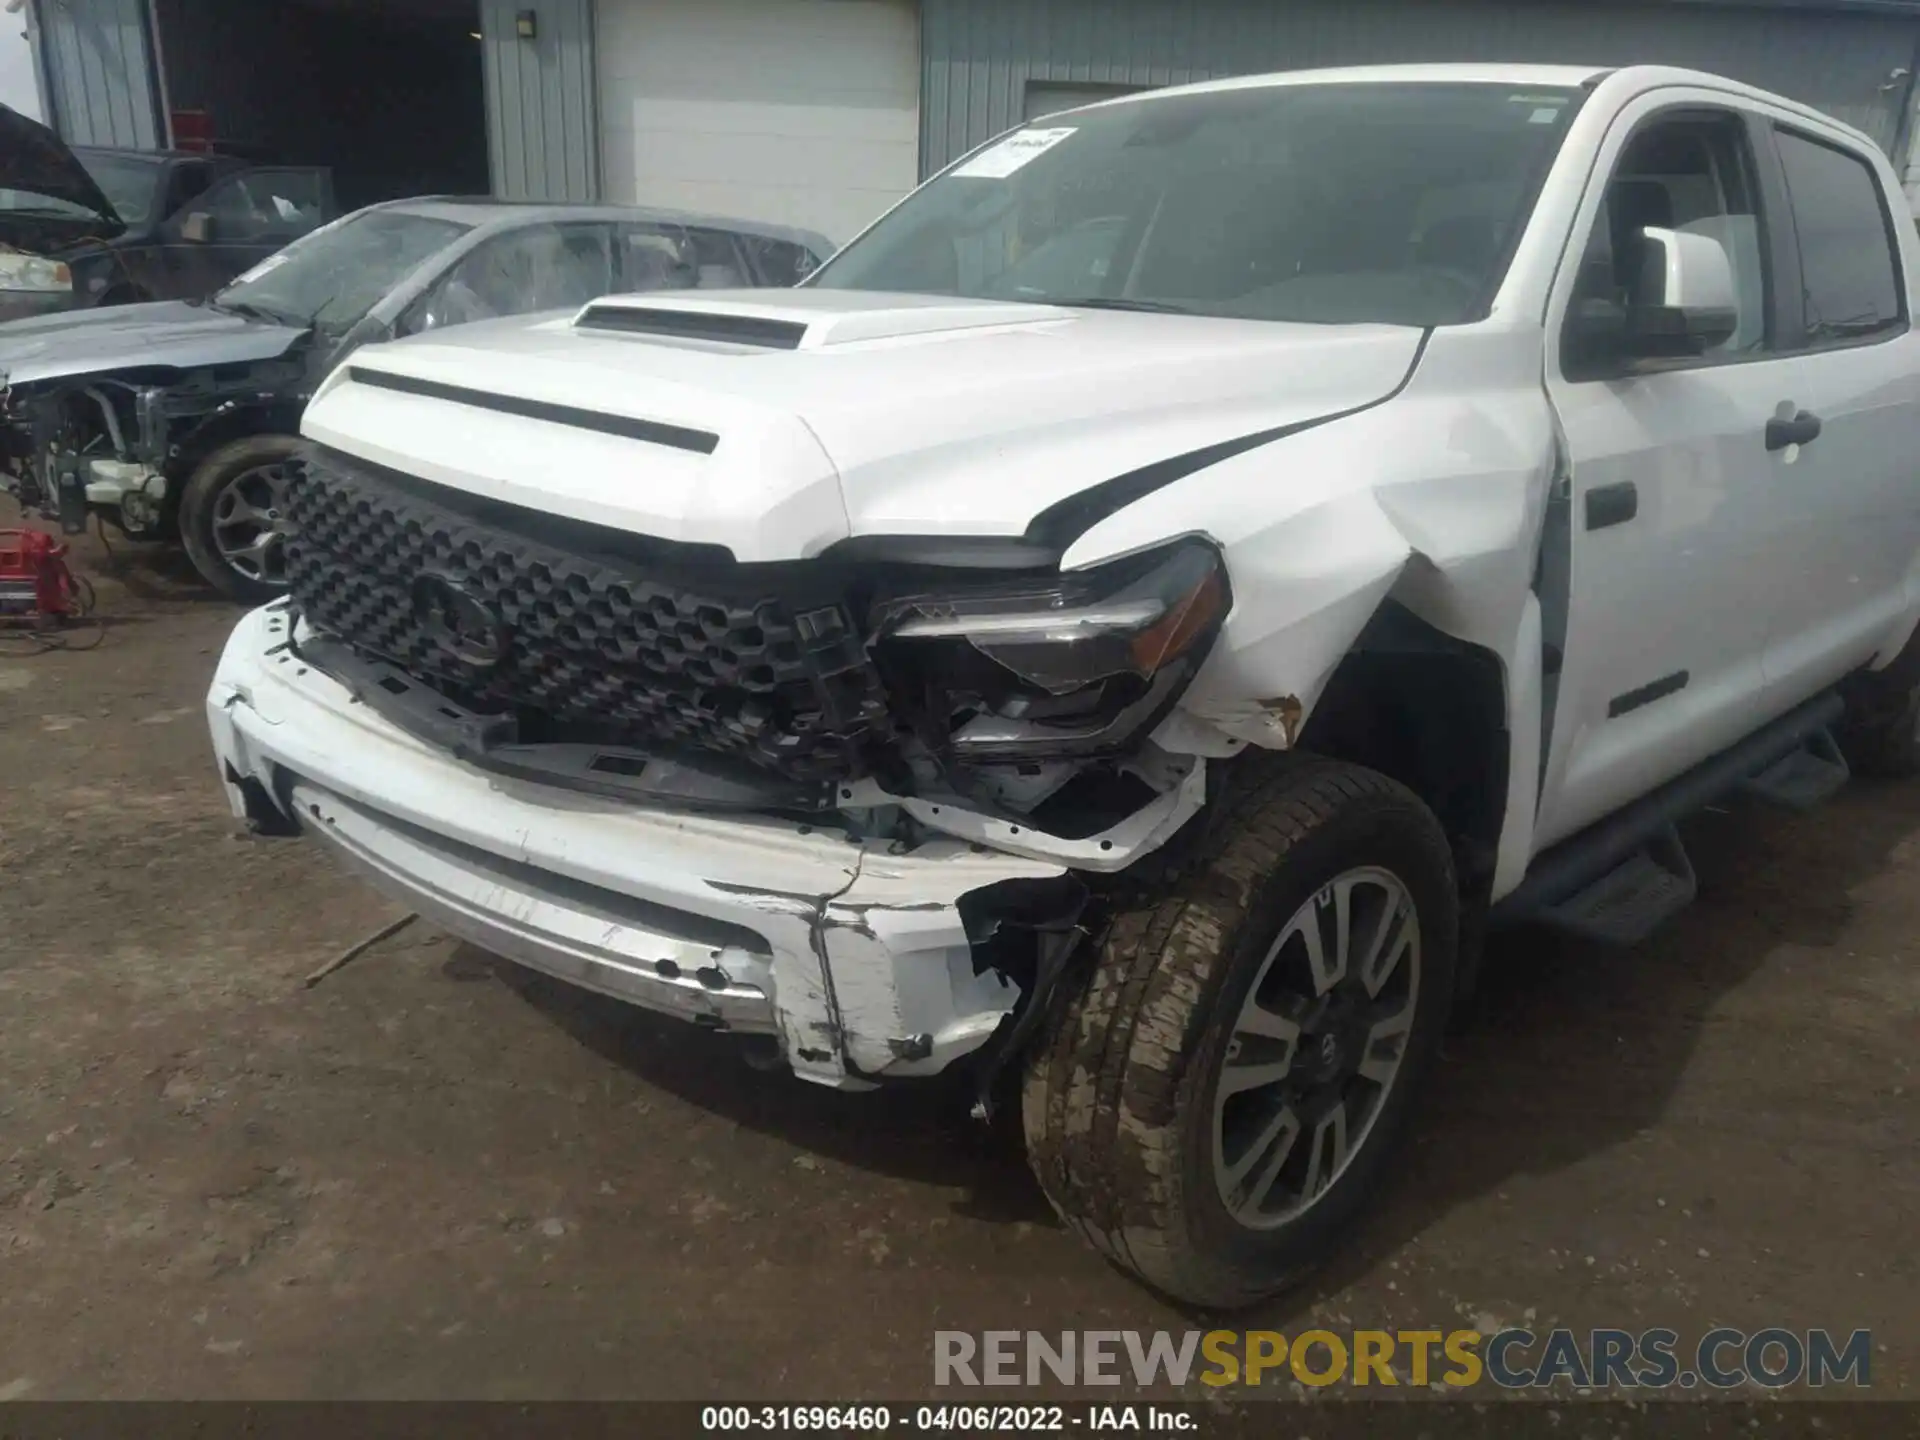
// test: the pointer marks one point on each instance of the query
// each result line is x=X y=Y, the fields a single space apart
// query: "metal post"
x=42 y=72
x=162 y=97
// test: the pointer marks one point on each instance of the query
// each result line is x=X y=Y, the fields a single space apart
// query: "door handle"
x=1802 y=429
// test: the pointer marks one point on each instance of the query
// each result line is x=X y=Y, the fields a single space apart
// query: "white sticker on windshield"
x=265 y=267
x=1545 y=115
x=999 y=161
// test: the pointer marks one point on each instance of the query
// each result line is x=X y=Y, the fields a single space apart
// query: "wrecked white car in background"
x=1139 y=612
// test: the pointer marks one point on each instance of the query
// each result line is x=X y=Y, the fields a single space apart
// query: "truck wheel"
x=1881 y=737
x=1214 y=1105
x=231 y=513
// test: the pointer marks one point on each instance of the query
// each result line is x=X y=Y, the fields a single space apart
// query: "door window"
x=1694 y=174
x=266 y=205
x=539 y=267
x=779 y=262
x=188 y=182
x=676 y=257
x=1849 y=268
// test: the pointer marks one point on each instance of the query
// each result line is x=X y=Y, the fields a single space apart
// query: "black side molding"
x=1658 y=690
x=1612 y=505
x=654 y=432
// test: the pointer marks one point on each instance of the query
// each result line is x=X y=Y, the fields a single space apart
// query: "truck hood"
x=776 y=423
x=37 y=162
x=168 y=334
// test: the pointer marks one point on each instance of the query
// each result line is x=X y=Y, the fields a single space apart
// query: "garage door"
x=804 y=112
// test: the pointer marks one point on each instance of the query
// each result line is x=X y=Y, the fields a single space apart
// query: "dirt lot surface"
x=437 y=1176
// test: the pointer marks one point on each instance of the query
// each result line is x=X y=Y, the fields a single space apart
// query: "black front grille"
x=601 y=637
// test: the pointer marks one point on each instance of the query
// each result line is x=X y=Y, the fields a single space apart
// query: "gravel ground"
x=437 y=1176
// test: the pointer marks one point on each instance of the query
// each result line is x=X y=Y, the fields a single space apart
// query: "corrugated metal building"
x=820 y=112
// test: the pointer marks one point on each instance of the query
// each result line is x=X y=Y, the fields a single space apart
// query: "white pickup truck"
x=1132 y=620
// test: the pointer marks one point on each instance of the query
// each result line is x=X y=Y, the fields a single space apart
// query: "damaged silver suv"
x=1129 y=622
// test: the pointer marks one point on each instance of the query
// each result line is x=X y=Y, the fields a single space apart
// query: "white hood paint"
x=895 y=414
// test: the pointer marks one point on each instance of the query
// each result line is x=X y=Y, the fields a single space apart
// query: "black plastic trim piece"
x=1609 y=505
x=1063 y=522
x=491 y=742
x=677 y=437
x=694 y=325
x=1657 y=690
x=1580 y=860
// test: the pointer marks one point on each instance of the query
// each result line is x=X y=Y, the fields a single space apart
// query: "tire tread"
x=1102 y=1091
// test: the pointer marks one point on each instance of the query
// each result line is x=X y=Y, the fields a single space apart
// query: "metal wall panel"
x=98 y=62
x=542 y=121
x=977 y=55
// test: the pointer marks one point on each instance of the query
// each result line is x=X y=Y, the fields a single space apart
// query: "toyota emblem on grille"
x=460 y=622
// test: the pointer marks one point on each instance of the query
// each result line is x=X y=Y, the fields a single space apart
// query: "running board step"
x=1632 y=900
x=1803 y=778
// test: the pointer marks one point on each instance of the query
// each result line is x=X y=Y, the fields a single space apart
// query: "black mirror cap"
x=1604 y=339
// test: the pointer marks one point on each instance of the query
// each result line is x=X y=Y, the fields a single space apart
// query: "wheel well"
x=209 y=435
x=1429 y=711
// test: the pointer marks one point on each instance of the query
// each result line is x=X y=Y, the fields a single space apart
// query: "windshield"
x=333 y=277
x=128 y=181
x=1327 y=203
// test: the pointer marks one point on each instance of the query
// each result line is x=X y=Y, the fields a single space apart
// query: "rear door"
x=1670 y=489
x=1854 y=492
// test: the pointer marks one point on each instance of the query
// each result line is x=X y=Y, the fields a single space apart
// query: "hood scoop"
x=804 y=319
x=761 y=331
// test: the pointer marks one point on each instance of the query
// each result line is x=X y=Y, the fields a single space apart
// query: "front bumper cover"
x=855 y=958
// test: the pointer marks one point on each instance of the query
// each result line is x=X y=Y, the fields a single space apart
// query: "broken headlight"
x=1065 y=666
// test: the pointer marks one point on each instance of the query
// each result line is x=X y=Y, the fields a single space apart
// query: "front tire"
x=231 y=513
x=1217 y=1102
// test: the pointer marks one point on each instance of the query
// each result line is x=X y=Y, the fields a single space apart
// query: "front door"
x=244 y=218
x=1669 y=481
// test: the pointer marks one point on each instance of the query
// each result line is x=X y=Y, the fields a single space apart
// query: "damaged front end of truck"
x=960 y=733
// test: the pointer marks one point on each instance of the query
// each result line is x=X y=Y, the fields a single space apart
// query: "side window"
x=1849 y=270
x=778 y=262
x=674 y=257
x=1694 y=174
x=654 y=257
x=539 y=267
x=188 y=182
x=265 y=205
x=717 y=262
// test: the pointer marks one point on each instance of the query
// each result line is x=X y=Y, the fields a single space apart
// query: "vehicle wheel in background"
x=1227 y=1088
x=231 y=513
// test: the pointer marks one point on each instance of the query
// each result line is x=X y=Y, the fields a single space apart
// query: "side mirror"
x=1684 y=301
x=197 y=228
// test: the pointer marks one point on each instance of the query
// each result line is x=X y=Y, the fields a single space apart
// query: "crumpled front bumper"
x=855 y=958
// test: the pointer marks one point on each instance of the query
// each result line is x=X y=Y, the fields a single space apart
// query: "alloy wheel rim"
x=1316 y=1048
x=247 y=517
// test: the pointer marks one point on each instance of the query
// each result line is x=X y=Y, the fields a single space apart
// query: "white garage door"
x=805 y=112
